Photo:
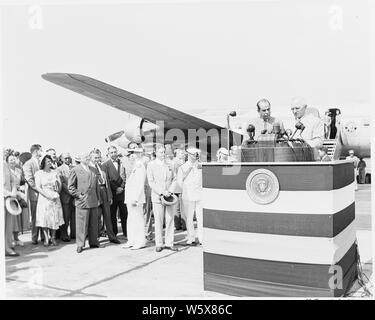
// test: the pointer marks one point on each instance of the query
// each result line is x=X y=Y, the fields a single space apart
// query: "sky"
x=207 y=57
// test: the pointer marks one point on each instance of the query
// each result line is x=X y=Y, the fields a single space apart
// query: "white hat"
x=193 y=151
x=12 y=205
x=223 y=151
x=169 y=201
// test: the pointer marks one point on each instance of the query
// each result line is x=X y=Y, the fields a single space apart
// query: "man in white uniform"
x=189 y=177
x=161 y=179
x=135 y=199
x=179 y=218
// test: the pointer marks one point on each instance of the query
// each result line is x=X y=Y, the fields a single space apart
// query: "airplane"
x=343 y=132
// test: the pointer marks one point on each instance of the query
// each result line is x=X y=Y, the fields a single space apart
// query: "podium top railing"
x=299 y=163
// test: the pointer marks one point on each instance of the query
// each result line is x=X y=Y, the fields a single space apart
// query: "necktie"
x=100 y=175
x=118 y=166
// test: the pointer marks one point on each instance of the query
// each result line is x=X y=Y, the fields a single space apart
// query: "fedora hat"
x=169 y=201
x=12 y=205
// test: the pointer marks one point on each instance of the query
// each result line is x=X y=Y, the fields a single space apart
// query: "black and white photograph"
x=187 y=149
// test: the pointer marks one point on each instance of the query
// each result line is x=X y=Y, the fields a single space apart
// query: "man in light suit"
x=189 y=178
x=30 y=168
x=83 y=186
x=162 y=179
x=313 y=132
x=66 y=199
x=105 y=197
x=117 y=178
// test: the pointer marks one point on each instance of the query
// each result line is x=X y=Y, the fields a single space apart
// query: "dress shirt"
x=260 y=125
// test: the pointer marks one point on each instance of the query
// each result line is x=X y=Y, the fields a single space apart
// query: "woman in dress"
x=9 y=190
x=49 y=214
x=135 y=199
x=21 y=221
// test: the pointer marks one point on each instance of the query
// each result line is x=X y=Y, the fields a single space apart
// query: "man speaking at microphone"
x=313 y=132
x=265 y=122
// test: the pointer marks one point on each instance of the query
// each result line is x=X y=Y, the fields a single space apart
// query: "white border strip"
x=293 y=202
x=312 y=250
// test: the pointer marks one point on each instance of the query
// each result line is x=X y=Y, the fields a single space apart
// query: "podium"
x=279 y=229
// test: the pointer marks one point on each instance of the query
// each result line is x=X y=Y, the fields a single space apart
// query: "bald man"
x=83 y=186
x=313 y=133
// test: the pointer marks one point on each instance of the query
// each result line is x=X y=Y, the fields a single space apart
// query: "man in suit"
x=66 y=199
x=117 y=178
x=162 y=180
x=313 y=132
x=105 y=197
x=30 y=168
x=264 y=122
x=83 y=186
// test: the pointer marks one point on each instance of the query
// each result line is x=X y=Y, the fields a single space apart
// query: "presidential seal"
x=262 y=186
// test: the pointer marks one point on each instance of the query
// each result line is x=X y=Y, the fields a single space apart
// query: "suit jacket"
x=106 y=180
x=192 y=184
x=85 y=183
x=175 y=164
x=115 y=178
x=64 y=172
x=161 y=177
x=135 y=185
x=313 y=133
x=30 y=168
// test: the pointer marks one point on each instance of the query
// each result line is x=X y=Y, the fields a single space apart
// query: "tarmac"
x=115 y=272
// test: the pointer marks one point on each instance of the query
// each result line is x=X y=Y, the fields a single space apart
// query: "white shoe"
x=127 y=246
x=137 y=248
x=19 y=243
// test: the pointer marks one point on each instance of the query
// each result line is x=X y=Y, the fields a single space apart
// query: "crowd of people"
x=82 y=198
x=60 y=198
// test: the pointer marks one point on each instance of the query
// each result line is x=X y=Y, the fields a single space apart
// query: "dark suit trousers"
x=69 y=219
x=118 y=202
x=86 y=224
x=105 y=212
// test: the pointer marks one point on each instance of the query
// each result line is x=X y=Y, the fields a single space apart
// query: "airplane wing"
x=128 y=102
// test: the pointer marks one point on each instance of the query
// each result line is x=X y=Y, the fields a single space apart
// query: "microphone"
x=251 y=130
x=302 y=127
x=298 y=126
x=276 y=128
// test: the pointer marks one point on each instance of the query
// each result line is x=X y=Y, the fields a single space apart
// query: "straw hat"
x=12 y=205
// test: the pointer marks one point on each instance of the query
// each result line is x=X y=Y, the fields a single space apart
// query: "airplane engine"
x=134 y=133
x=138 y=132
x=118 y=138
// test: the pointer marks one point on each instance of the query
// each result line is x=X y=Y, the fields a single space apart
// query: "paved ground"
x=115 y=272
